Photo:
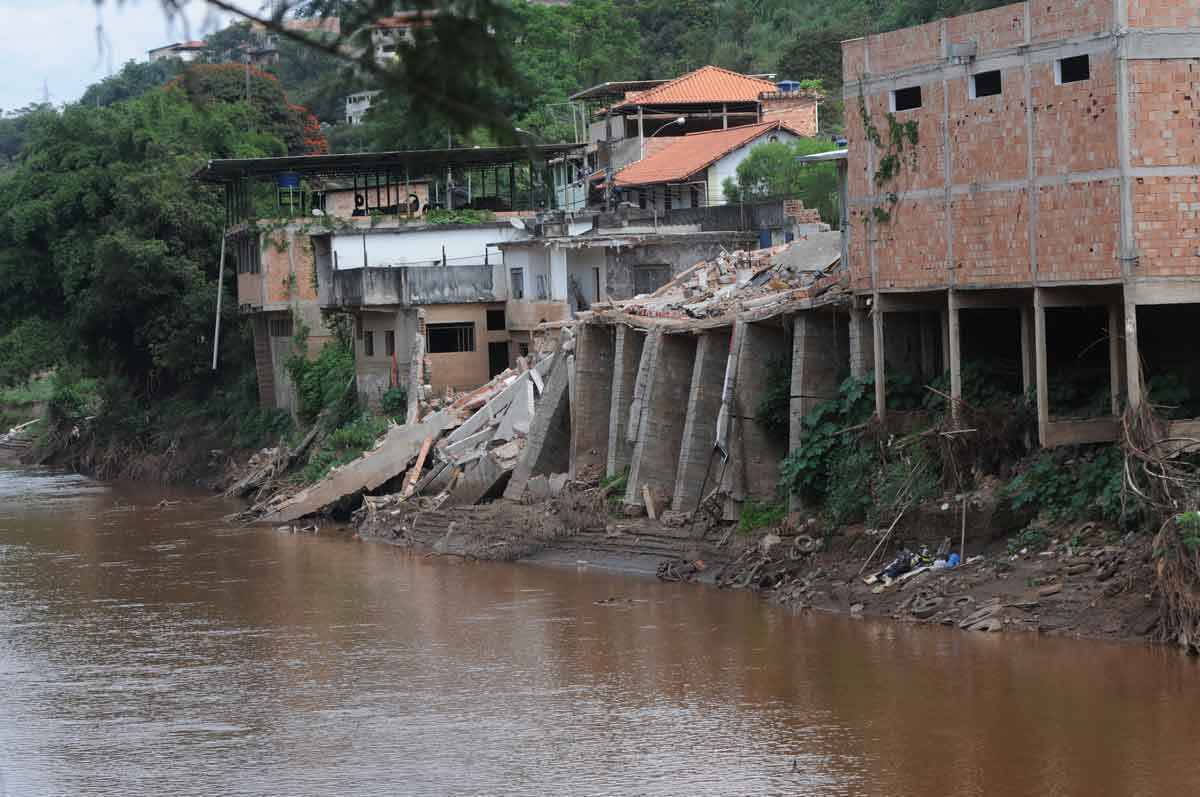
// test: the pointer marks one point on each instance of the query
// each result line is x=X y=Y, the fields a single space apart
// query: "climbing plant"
x=897 y=150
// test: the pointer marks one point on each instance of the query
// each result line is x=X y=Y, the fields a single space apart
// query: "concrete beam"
x=1163 y=291
x=595 y=351
x=627 y=355
x=700 y=420
x=1074 y=433
x=660 y=428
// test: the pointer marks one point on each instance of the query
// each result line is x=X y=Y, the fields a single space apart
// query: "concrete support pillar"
x=760 y=451
x=627 y=355
x=955 y=356
x=641 y=385
x=700 y=420
x=660 y=429
x=944 y=317
x=1039 y=353
x=1027 y=365
x=880 y=369
x=591 y=405
x=861 y=343
x=814 y=371
x=1114 y=357
x=1133 y=361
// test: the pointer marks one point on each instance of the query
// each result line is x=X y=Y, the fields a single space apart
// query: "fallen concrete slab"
x=387 y=460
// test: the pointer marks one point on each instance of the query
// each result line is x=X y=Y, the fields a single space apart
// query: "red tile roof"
x=688 y=154
x=707 y=84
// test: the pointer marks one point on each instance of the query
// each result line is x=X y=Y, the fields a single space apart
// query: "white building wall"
x=397 y=248
x=583 y=266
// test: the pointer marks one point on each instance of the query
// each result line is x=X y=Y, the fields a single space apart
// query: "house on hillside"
x=187 y=51
x=626 y=121
x=689 y=171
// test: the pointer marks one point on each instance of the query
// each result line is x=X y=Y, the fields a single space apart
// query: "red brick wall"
x=1163 y=13
x=911 y=247
x=276 y=267
x=1165 y=112
x=799 y=113
x=1062 y=19
x=991 y=30
x=1165 y=226
x=860 y=266
x=904 y=48
x=991 y=238
x=1078 y=231
x=988 y=138
x=1075 y=125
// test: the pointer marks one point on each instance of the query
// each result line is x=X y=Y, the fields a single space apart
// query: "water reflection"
x=153 y=649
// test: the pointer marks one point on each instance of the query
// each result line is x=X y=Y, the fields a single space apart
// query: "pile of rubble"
x=472 y=449
x=759 y=279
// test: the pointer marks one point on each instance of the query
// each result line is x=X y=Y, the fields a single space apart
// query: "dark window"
x=517 y=277
x=695 y=197
x=1072 y=70
x=642 y=200
x=369 y=343
x=249 y=258
x=667 y=197
x=523 y=348
x=281 y=327
x=906 y=99
x=389 y=342
x=985 y=84
x=648 y=279
x=495 y=321
x=450 y=338
x=497 y=357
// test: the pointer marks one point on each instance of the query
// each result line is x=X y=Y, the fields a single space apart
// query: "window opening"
x=906 y=99
x=986 y=84
x=450 y=338
x=1072 y=70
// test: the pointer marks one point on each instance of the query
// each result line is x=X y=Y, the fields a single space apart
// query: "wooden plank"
x=410 y=482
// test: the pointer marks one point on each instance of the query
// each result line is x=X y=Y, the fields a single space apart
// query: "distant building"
x=388 y=33
x=357 y=106
x=185 y=51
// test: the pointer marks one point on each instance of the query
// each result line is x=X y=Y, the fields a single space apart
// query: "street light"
x=680 y=121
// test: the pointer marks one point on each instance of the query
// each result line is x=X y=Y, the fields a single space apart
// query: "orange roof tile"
x=706 y=84
x=688 y=154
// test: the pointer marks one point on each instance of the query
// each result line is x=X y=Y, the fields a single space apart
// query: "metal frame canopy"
x=417 y=162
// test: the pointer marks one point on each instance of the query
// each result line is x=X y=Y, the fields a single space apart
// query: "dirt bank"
x=1078 y=581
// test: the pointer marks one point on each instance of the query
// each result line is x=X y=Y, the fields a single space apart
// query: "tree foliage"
x=772 y=170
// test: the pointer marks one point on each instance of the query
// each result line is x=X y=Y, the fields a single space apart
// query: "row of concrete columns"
x=649 y=402
x=871 y=343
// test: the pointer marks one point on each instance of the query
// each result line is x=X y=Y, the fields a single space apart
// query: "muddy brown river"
x=156 y=650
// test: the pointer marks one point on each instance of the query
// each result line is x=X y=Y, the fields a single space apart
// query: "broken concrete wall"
x=700 y=421
x=548 y=447
x=626 y=359
x=671 y=258
x=655 y=459
x=595 y=350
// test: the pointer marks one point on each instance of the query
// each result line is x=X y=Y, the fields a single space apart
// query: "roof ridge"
x=664 y=87
x=732 y=129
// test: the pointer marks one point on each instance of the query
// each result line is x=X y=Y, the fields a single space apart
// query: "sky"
x=66 y=45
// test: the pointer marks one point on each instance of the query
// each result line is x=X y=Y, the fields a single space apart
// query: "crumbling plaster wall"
x=621 y=261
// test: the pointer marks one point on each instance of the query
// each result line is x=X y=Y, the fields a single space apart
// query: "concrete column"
x=627 y=355
x=641 y=384
x=880 y=369
x=762 y=345
x=815 y=371
x=1133 y=361
x=955 y=356
x=655 y=462
x=861 y=343
x=1027 y=365
x=944 y=316
x=591 y=406
x=1039 y=353
x=700 y=420
x=1114 y=357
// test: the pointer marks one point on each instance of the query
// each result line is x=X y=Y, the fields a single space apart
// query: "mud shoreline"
x=1079 y=585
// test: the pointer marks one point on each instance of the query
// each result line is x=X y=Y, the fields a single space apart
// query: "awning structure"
x=417 y=162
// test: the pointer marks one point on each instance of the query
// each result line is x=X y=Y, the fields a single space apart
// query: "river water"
x=151 y=649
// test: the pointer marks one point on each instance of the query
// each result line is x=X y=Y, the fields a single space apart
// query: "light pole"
x=680 y=121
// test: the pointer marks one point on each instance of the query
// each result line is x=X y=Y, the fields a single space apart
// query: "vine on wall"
x=898 y=149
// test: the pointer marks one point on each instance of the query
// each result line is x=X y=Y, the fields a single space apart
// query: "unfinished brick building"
x=1024 y=188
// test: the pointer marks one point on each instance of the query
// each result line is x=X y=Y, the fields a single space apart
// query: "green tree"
x=772 y=170
x=134 y=80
